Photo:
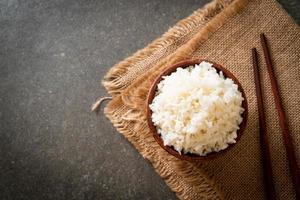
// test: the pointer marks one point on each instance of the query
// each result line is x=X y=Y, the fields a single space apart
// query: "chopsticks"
x=267 y=165
x=264 y=144
x=294 y=169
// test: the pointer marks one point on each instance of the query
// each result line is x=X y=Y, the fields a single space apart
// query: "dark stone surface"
x=52 y=57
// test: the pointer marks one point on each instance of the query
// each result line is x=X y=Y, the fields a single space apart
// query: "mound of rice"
x=197 y=110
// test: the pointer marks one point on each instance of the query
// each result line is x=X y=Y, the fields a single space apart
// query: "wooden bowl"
x=171 y=150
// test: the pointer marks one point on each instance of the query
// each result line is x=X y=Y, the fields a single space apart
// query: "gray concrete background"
x=52 y=56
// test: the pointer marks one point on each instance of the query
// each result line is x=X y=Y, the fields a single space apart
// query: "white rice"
x=197 y=110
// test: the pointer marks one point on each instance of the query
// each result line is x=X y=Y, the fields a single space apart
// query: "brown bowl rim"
x=151 y=95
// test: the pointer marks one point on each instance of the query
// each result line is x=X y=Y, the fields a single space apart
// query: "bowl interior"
x=151 y=95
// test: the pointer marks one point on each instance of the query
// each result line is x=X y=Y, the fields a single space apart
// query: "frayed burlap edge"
x=113 y=80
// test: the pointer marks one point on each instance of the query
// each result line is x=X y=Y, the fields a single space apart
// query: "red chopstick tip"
x=263 y=37
x=254 y=55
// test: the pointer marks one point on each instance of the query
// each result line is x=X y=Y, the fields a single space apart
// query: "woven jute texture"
x=224 y=31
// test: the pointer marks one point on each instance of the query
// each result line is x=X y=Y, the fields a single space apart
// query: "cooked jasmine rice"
x=197 y=110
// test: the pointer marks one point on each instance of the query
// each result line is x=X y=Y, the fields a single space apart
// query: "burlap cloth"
x=224 y=32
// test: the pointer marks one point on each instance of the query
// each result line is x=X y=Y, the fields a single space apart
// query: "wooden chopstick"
x=264 y=144
x=294 y=169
